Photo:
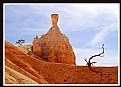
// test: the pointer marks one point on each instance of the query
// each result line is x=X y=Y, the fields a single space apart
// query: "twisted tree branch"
x=89 y=63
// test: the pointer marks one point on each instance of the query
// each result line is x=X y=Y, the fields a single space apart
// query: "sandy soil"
x=38 y=71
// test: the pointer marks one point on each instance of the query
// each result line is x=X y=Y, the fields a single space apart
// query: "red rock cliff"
x=54 y=46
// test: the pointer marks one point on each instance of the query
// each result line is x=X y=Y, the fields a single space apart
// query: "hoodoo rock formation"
x=54 y=46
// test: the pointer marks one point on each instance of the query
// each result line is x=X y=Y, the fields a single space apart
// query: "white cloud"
x=101 y=36
x=78 y=16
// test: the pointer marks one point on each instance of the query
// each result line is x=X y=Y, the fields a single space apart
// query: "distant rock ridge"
x=54 y=46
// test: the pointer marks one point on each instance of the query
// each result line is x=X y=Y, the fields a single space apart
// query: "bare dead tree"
x=89 y=63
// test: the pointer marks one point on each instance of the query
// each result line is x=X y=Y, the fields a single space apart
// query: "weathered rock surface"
x=30 y=70
x=17 y=70
x=54 y=46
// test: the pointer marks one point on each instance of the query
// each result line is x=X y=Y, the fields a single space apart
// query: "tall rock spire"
x=54 y=18
x=54 y=46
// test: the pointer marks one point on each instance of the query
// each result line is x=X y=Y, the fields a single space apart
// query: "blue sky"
x=87 y=26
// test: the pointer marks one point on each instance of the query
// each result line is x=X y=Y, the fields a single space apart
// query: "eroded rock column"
x=54 y=46
x=54 y=18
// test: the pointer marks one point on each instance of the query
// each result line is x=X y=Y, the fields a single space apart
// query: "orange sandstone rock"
x=54 y=46
x=54 y=18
